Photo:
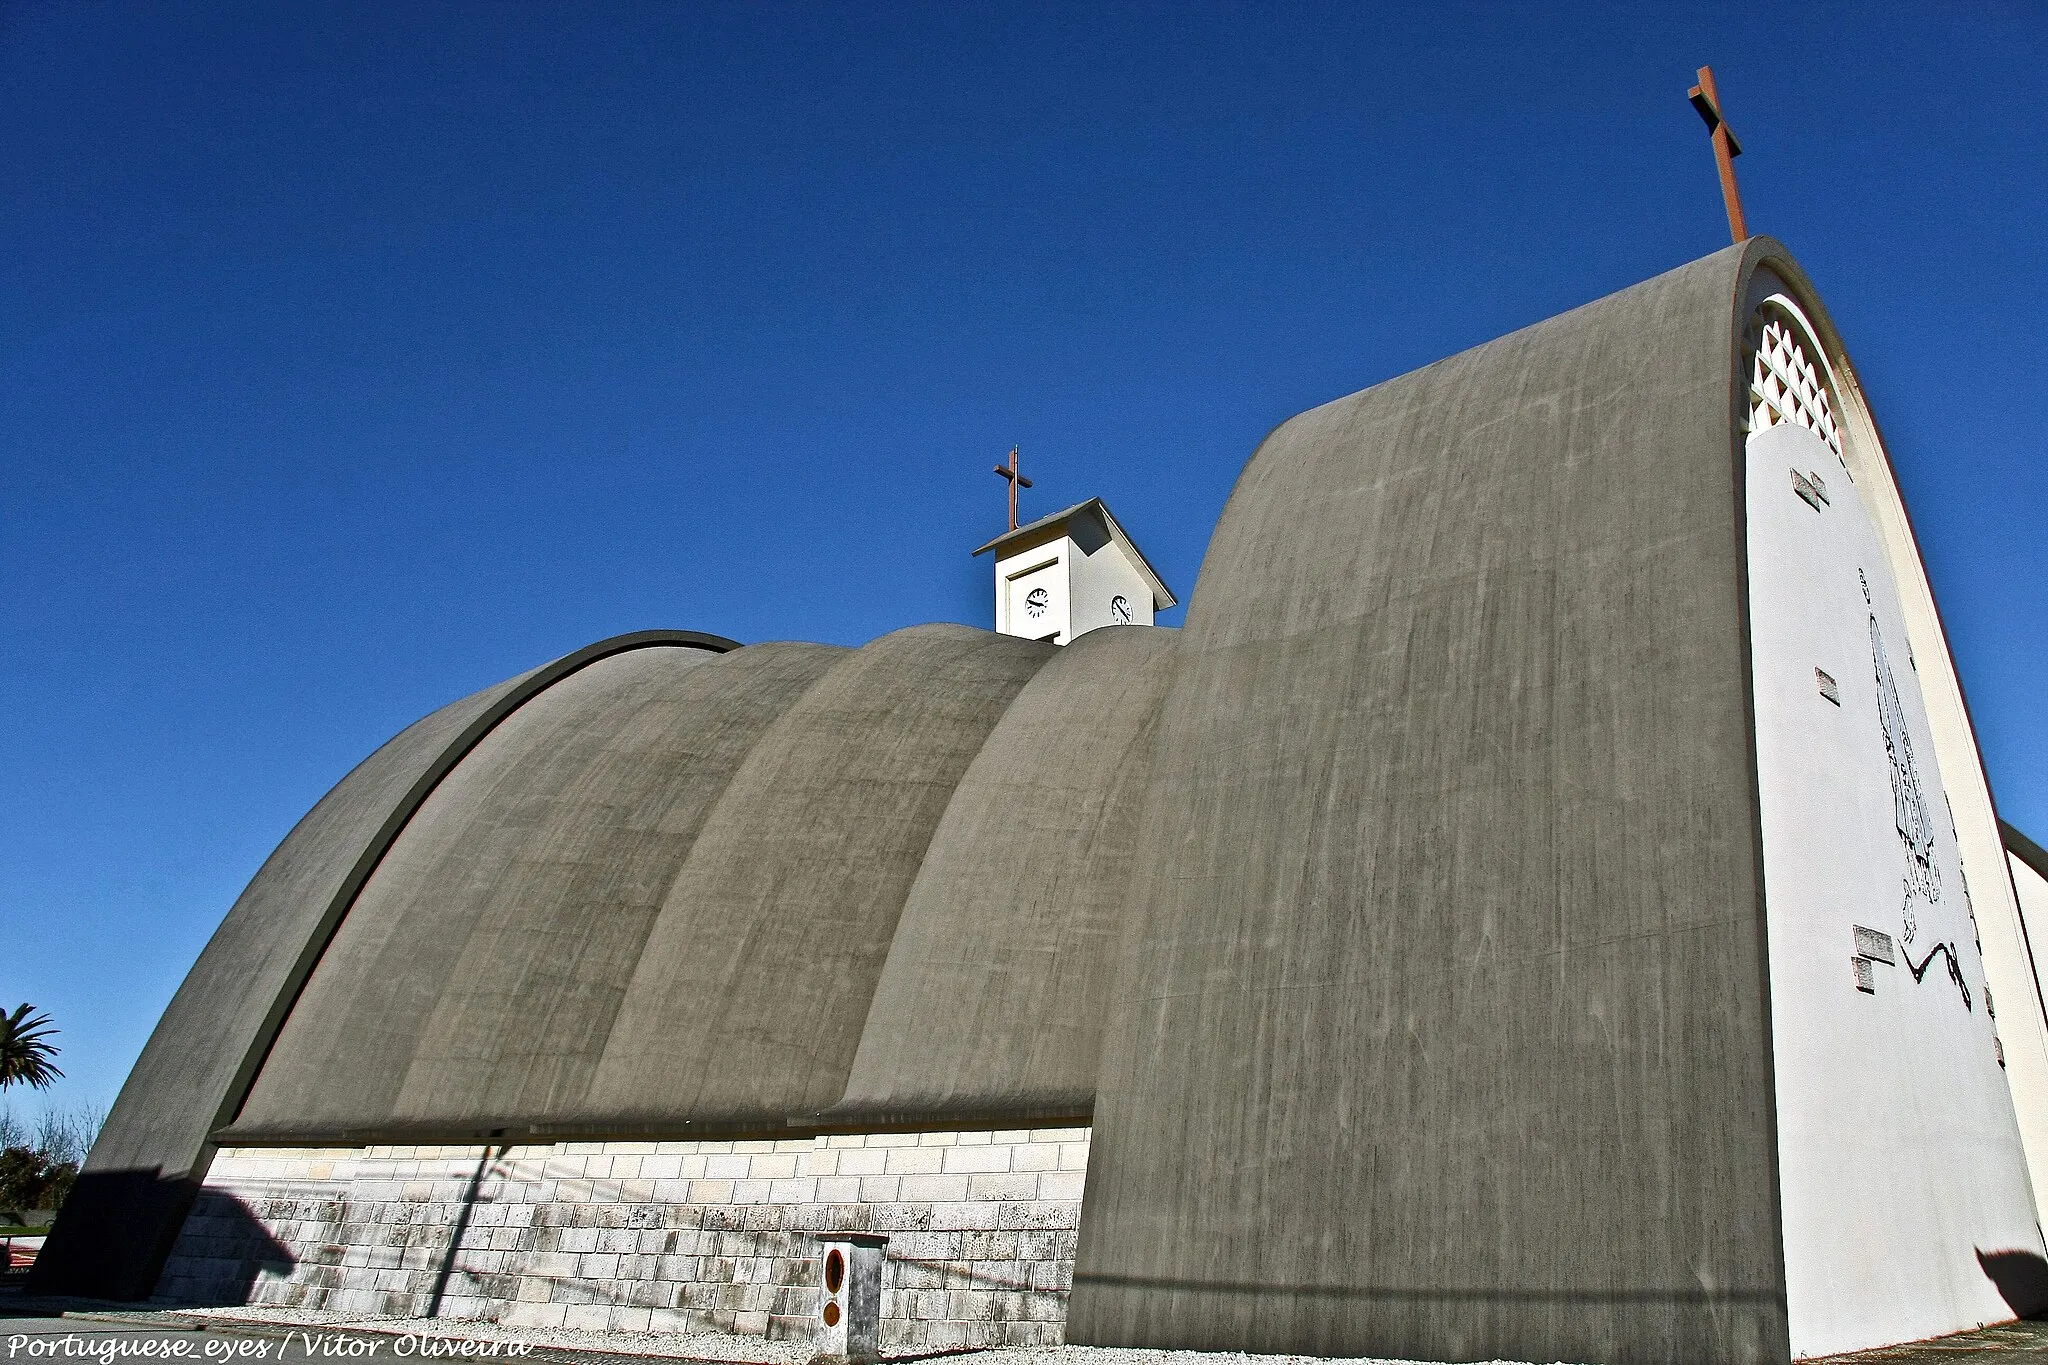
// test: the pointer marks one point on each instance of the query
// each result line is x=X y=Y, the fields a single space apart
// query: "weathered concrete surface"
x=145 y=1167
x=476 y=978
x=1438 y=1023
x=998 y=980
x=1442 y=1031
x=749 y=996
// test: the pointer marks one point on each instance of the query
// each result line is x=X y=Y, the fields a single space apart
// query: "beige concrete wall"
x=651 y=1236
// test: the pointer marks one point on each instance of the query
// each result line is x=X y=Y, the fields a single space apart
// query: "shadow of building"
x=2022 y=1280
x=223 y=1251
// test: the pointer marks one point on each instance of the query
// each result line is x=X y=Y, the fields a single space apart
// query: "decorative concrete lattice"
x=1784 y=385
x=646 y=1236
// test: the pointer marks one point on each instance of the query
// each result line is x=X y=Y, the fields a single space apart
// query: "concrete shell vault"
x=1400 y=924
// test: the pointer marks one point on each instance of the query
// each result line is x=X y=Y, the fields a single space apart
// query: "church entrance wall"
x=651 y=1236
x=1903 y=1180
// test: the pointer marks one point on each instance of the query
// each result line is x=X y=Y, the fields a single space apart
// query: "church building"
x=1544 y=904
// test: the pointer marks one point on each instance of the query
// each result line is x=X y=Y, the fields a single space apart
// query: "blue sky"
x=360 y=355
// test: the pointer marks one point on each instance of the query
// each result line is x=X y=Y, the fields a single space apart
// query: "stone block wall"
x=651 y=1236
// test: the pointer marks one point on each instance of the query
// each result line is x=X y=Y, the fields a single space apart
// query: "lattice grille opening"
x=1785 y=385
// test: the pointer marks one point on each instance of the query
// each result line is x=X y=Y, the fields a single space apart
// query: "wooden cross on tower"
x=1016 y=481
x=1707 y=100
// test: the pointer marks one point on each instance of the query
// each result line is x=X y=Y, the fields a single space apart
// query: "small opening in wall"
x=1866 y=975
x=835 y=1272
x=1828 y=687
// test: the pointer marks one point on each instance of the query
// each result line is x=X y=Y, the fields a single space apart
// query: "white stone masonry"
x=651 y=1236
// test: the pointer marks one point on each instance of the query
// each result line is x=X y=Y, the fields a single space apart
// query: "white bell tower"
x=1072 y=572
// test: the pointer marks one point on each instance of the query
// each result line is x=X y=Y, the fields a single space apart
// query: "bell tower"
x=1072 y=572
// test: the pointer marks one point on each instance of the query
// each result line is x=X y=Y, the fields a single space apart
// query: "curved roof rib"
x=992 y=1002
x=474 y=982
x=760 y=968
x=143 y=1171
x=1452 y=812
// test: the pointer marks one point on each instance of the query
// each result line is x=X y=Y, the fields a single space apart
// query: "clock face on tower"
x=1036 y=601
x=1120 y=610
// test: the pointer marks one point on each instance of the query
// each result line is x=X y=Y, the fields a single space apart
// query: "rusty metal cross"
x=1016 y=481
x=1707 y=100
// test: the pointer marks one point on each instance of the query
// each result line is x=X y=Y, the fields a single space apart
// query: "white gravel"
x=749 y=1350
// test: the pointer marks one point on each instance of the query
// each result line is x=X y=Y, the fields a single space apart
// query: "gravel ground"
x=739 y=1350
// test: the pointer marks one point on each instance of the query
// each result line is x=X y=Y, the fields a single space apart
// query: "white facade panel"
x=1101 y=581
x=1903 y=1181
x=1035 y=594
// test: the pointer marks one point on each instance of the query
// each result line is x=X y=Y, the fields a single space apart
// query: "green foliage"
x=36 y=1172
x=25 y=1049
x=30 y=1180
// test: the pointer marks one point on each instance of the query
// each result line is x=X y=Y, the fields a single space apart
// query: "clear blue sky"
x=359 y=355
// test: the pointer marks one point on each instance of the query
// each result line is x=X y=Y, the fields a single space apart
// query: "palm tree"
x=25 y=1049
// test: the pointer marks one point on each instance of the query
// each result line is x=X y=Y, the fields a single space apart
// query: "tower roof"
x=1052 y=527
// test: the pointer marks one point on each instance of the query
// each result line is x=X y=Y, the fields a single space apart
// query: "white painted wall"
x=1081 y=586
x=1900 y=1157
x=2008 y=960
x=1042 y=568
x=1101 y=577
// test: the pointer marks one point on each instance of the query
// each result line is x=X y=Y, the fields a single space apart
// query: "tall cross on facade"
x=1016 y=481
x=1707 y=100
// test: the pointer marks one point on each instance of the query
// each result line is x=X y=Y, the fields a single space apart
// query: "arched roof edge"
x=117 y=1228
x=436 y=772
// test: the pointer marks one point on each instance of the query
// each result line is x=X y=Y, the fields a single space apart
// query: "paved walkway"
x=21 y=1251
x=44 y=1330
x=60 y=1330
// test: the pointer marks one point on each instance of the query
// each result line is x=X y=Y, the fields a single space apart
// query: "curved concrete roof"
x=758 y=973
x=1442 y=1025
x=992 y=1002
x=711 y=850
x=1398 y=920
x=476 y=978
x=145 y=1168
x=2024 y=848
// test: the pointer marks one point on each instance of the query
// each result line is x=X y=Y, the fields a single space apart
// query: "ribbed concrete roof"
x=1001 y=970
x=1435 y=1020
x=758 y=973
x=716 y=851
x=711 y=850
x=476 y=978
